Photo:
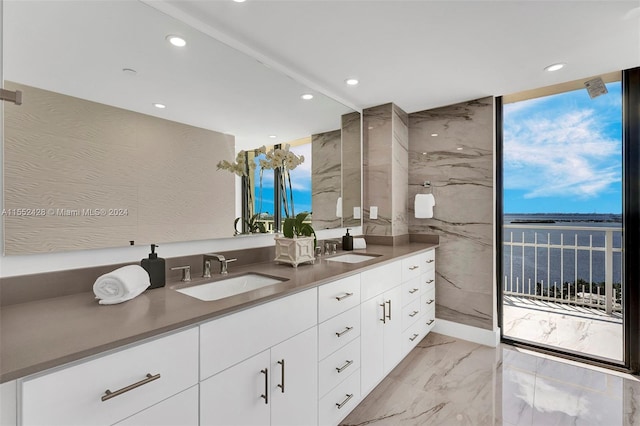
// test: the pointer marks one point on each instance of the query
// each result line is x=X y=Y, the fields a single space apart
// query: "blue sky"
x=300 y=179
x=563 y=153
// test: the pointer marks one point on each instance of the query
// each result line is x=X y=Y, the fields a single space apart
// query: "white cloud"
x=567 y=155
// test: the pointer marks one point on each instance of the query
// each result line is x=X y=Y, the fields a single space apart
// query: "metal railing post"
x=608 y=271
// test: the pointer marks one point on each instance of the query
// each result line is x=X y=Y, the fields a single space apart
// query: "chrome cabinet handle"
x=430 y=301
x=413 y=337
x=413 y=290
x=344 y=367
x=430 y=322
x=430 y=260
x=346 y=330
x=384 y=313
x=411 y=268
x=265 y=395
x=429 y=282
x=341 y=404
x=149 y=378
x=339 y=298
x=281 y=385
x=389 y=315
x=414 y=313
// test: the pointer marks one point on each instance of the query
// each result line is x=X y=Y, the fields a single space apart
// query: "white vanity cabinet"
x=108 y=389
x=381 y=323
x=339 y=349
x=260 y=366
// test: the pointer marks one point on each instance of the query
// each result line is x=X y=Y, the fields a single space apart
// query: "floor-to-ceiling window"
x=563 y=212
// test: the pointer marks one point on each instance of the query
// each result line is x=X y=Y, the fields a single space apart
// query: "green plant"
x=297 y=227
x=253 y=224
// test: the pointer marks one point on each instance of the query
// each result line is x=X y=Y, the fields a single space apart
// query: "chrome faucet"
x=206 y=266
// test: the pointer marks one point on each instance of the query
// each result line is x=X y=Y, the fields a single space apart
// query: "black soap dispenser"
x=154 y=266
x=347 y=241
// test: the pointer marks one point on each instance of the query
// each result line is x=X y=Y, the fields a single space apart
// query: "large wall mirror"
x=91 y=161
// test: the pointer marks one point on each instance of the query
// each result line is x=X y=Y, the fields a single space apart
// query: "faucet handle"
x=186 y=272
x=223 y=265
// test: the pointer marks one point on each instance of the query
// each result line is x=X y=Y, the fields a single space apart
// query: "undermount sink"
x=352 y=257
x=229 y=286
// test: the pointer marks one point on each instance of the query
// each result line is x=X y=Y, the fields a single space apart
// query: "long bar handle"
x=341 y=404
x=344 y=367
x=281 y=385
x=430 y=301
x=346 y=330
x=412 y=338
x=339 y=298
x=429 y=281
x=414 y=313
x=265 y=395
x=389 y=315
x=149 y=378
x=411 y=268
x=430 y=322
x=413 y=290
x=430 y=260
x=384 y=312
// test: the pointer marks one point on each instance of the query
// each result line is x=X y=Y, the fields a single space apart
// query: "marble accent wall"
x=459 y=163
x=326 y=171
x=351 y=169
x=385 y=162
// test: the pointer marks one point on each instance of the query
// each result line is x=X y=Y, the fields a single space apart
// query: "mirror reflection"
x=90 y=134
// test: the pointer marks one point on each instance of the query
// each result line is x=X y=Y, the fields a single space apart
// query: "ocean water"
x=562 y=265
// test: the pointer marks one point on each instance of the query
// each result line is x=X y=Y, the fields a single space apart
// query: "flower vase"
x=295 y=251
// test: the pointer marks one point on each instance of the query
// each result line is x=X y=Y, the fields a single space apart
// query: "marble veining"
x=447 y=381
x=459 y=164
x=326 y=170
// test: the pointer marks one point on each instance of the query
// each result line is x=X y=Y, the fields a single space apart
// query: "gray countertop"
x=48 y=333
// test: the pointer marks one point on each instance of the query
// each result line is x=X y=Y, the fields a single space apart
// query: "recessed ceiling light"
x=352 y=81
x=272 y=136
x=554 y=67
x=307 y=96
x=239 y=1
x=434 y=134
x=176 y=40
x=160 y=106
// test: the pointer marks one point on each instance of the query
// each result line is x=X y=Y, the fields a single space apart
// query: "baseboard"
x=467 y=332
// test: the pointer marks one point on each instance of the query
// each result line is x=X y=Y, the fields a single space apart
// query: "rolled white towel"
x=121 y=285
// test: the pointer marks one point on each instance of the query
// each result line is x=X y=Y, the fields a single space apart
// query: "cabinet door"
x=294 y=380
x=393 y=329
x=239 y=395
x=372 y=340
x=181 y=409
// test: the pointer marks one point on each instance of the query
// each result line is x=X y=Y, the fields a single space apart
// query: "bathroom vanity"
x=304 y=351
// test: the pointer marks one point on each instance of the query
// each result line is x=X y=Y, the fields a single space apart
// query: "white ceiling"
x=418 y=54
x=424 y=54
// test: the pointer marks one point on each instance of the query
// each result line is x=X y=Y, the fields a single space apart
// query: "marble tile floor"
x=576 y=328
x=448 y=381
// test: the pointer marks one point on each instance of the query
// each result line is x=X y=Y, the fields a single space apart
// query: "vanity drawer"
x=338 y=331
x=412 y=336
x=181 y=409
x=428 y=280
x=76 y=395
x=411 y=313
x=411 y=267
x=338 y=366
x=428 y=299
x=411 y=290
x=224 y=341
x=338 y=403
x=338 y=296
x=428 y=320
x=380 y=279
x=428 y=260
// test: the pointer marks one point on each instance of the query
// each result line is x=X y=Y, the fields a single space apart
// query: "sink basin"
x=229 y=286
x=352 y=257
